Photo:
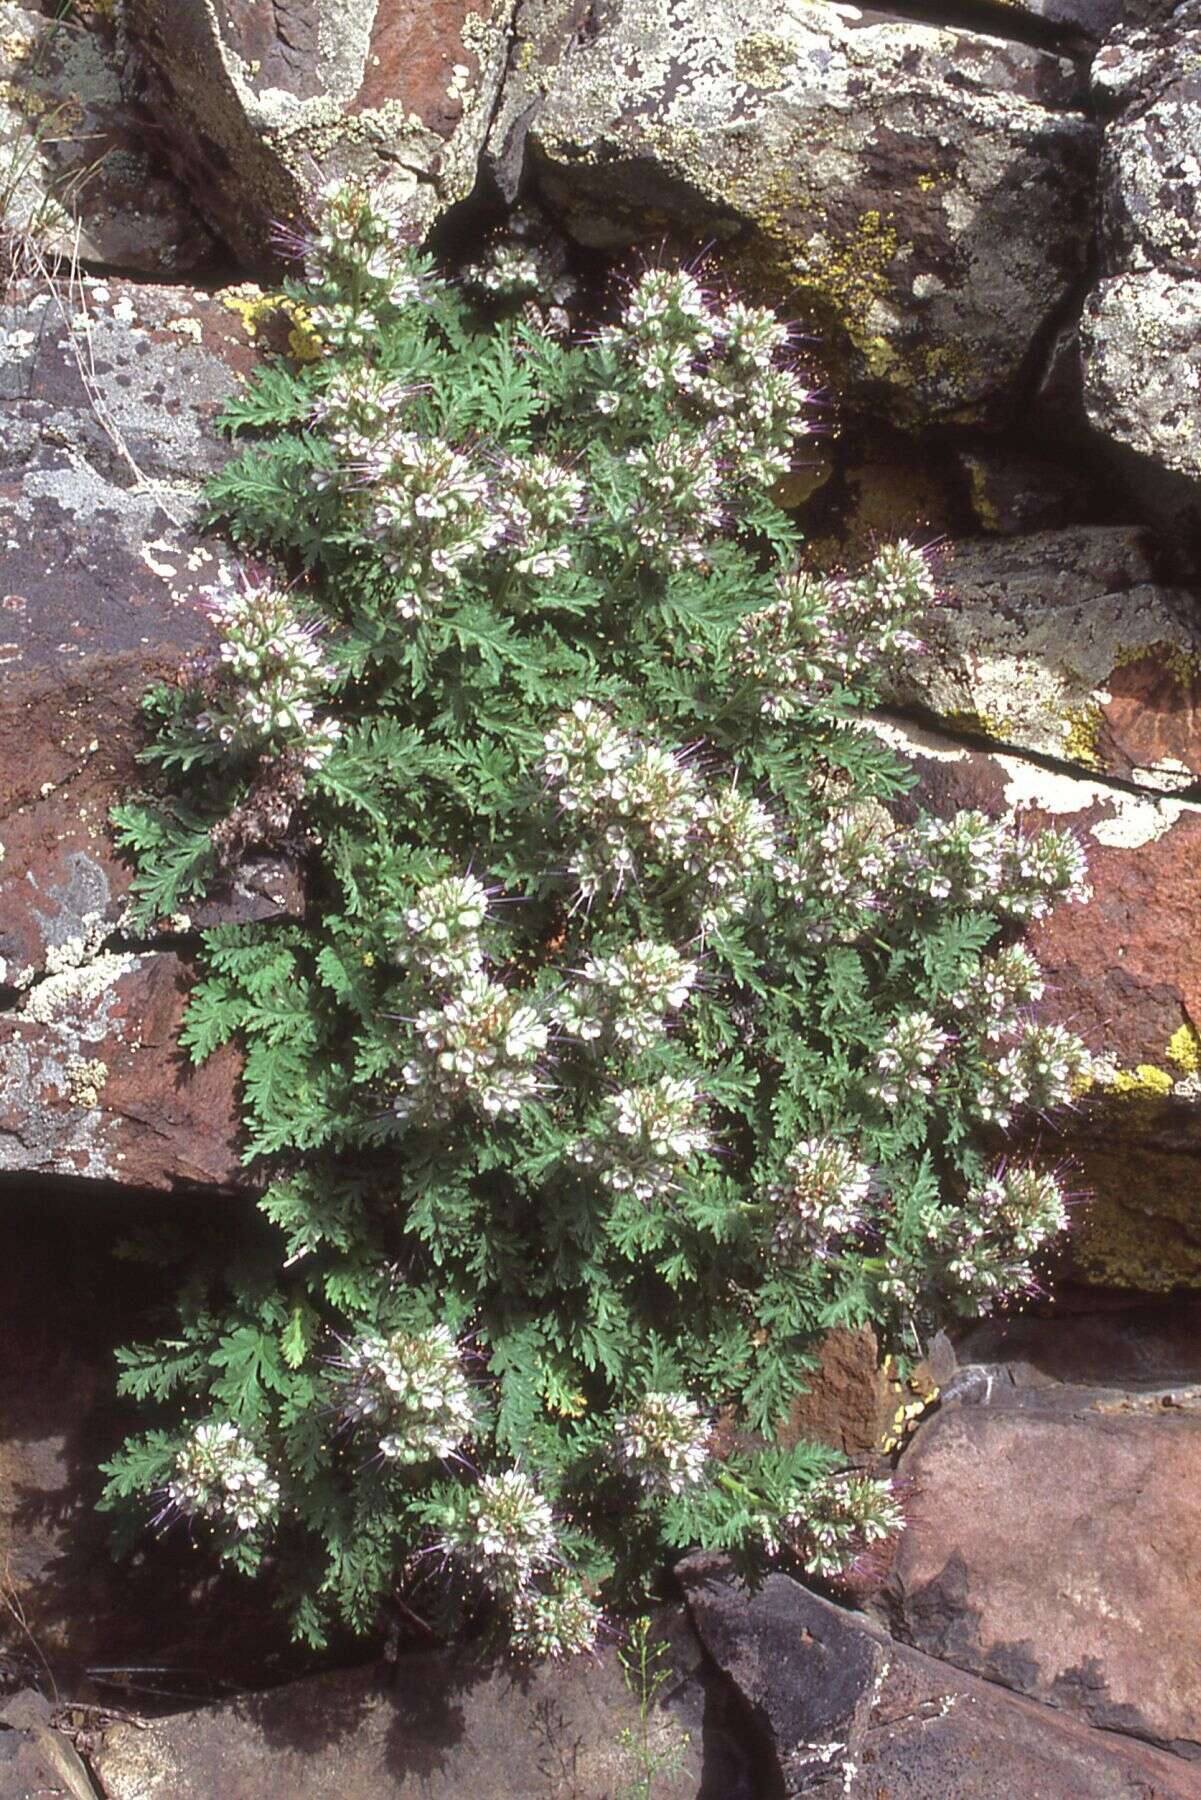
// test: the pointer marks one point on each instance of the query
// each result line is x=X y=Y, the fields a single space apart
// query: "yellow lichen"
x=1184 y=1048
x=258 y=310
x=1145 y=1081
x=1082 y=735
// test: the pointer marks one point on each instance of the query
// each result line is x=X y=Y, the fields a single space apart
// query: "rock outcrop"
x=919 y=193
x=262 y=104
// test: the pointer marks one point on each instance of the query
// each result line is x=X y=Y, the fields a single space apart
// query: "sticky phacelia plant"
x=626 y=1043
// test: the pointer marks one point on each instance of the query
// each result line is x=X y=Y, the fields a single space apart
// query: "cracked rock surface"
x=264 y=102
x=920 y=193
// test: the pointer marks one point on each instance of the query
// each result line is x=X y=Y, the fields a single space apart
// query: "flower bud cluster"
x=554 y=1623
x=528 y=263
x=845 y=865
x=360 y=266
x=480 y=1047
x=503 y=1531
x=664 y=1443
x=1038 y=1073
x=1001 y=989
x=843 y=1515
x=442 y=928
x=823 y=1200
x=645 y=1136
x=681 y=499
x=270 y=677
x=430 y=511
x=356 y=408
x=973 y=861
x=912 y=1045
x=538 y=501
x=409 y=1387
x=989 y=1240
x=220 y=1476
x=633 y=801
x=629 y=994
x=823 y=633
x=723 y=367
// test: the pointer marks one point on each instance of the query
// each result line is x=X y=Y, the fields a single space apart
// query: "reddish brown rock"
x=840 y=1710
x=848 y=1401
x=93 y=1082
x=1051 y=1546
x=261 y=104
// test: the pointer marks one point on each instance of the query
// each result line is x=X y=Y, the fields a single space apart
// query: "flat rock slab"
x=439 y=1731
x=844 y=1711
x=1062 y=644
x=1052 y=1547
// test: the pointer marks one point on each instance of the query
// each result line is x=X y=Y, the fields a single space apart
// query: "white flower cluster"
x=554 y=1624
x=1002 y=987
x=912 y=1045
x=529 y=264
x=410 y=1387
x=504 y=1532
x=1039 y=1072
x=971 y=860
x=845 y=864
x=842 y=1515
x=723 y=366
x=220 y=1476
x=644 y=1137
x=823 y=1199
x=629 y=993
x=431 y=511
x=681 y=499
x=360 y=265
x=537 y=500
x=989 y=1240
x=481 y=1046
x=442 y=929
x=633 y=800
x=271 y=677
x=824 y=632
x=664 y=1443
x=355 y=409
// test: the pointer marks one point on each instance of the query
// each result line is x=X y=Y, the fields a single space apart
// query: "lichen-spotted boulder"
x=1139 y=332
x=260 y=101
x=1124 y=971
x=919 y=193
x=1062 y=643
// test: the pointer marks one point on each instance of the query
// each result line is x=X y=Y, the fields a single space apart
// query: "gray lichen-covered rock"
x=1061 y=643
x=262 y=103
x=1141 y=344
x=1140 y=331
x=920 y=193
x=76 y=176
